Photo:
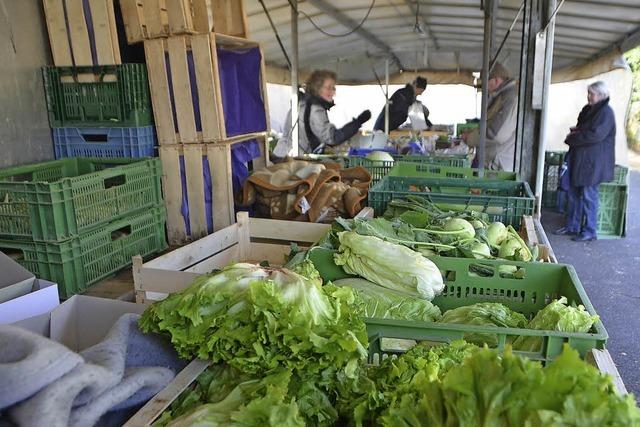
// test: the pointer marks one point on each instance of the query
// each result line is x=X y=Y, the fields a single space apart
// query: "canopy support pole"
x=490 y=12
x=544 y=114
x=294 y=76
x=386 y=92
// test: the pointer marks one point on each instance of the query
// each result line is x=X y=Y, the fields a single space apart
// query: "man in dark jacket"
x=399 y=104
x=591 y=161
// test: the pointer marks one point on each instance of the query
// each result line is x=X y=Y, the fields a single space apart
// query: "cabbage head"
x=392 y=266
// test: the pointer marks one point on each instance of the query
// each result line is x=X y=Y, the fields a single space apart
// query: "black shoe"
x=564 y=231
x=583 y=238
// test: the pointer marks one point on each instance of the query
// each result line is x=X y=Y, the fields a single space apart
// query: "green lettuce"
x=389 y=265
x=257 y=402
x=259 y=319
x=492 y=389
x=556 y=316
x=484 y=314
x=376 y=301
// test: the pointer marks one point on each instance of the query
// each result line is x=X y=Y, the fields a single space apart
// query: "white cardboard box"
x=22 y=295
x=81 y=321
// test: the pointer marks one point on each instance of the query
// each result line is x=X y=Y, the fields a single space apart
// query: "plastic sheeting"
x=241 y=85
x=241 y=154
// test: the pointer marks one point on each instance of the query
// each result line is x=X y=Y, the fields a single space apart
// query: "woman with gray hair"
x=591 y=160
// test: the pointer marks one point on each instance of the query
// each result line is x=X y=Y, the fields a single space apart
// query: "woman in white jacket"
x=315 y=131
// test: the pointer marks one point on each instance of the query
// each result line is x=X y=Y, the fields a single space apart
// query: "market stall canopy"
x=444 y=38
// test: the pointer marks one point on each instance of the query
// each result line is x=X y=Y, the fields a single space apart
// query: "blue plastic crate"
x=132 y=142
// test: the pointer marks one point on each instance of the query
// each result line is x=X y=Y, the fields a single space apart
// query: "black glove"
x=363 y=117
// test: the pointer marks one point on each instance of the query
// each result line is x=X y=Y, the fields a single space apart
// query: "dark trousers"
x=582 y=212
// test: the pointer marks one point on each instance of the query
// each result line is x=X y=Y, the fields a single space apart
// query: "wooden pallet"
x=149 y=19
x=175 y=50
x=219 y=161
x=71 y=39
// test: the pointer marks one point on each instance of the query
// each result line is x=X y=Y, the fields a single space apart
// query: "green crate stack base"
x=81 y=261
x=541 y=283
x=54 y=201
x=612 y=210
x=505 y=201
x=119 y=98
x=425 y=170
x=380 y=169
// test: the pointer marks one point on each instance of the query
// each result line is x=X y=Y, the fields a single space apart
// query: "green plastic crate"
x=461 y=127
x=505 y=201
x=540 y=284
x=552 y=163
x=78 y=262
x=119 y=96
x=54 y=201
x=612 y=210
x=380 y=169
x=425 y=170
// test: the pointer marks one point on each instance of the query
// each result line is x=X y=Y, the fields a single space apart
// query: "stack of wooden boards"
x=209 y=97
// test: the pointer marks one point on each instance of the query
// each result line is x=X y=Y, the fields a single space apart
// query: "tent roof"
x=585 y=30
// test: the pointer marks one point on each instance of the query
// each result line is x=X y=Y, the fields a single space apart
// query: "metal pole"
x=386 y=93
x=489 y=20
x=523 y=83
x=544 y=122
x=294 y=76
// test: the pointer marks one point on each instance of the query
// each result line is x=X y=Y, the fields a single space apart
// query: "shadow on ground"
x=608 y=270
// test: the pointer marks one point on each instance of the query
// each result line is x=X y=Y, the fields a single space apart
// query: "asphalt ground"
x=610 y=273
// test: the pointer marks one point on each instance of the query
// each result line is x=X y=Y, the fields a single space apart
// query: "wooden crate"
x=219 y=162
x=170 y=83
x=149 y=19
x=76 y=40
x=248 y=240
x=533 y=234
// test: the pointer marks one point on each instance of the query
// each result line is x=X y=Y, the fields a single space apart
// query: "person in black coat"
x=399 y=104
x=591 y=160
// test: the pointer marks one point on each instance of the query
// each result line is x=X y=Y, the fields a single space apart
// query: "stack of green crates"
x=612 y=211
x=505 y=201
x=75 y=221
x=379 y=169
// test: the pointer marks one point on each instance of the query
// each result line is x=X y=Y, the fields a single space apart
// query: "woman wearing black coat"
x=591 y=160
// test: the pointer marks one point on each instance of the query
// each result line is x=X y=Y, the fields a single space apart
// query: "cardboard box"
x=15 y=280
x=22 y=295
x=81 y=321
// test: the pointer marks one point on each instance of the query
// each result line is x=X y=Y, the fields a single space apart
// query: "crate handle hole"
x=449 y=275
x=14 y=254
x=101 y=138
x=115 y=181
x=480 y=270
x=121 y=232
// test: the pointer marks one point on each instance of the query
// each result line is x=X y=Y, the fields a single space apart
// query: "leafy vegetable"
x=258 y=319
x=257 y=402
x=484 y=314
x=489 y=389
x=380 y=302
x=395 y=377
x=380 y=158
x=390 y=265
x=556 y=316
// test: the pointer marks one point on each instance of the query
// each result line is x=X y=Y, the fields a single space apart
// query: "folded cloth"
x=29 y=362
x=125 y=369
x=306 y=191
